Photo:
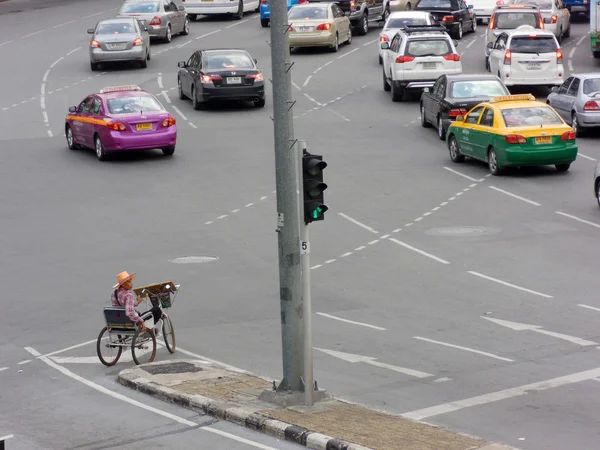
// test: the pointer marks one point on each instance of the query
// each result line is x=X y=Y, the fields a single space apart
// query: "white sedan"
x=397 y=21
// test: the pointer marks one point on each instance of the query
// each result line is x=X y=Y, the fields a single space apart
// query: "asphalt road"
x=420 y=255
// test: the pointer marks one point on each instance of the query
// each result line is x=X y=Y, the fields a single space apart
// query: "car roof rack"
x=512 y=98
x=106 y=90
x=408 y=29
x=517 y=6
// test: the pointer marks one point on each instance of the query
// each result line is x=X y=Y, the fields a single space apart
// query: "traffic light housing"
x=313 y=187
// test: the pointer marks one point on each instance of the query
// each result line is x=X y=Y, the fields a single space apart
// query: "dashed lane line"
x=65 y=23
x=33 y=34
x=248 y=205
x=330 y=102
x=237 y=23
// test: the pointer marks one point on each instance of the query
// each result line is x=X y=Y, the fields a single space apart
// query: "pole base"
x=290 y=398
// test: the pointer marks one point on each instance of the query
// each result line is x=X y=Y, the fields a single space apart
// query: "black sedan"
x=220 y=74
x=454 y=95
x=455 y=15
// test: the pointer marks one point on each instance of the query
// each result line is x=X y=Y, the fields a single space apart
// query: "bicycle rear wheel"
x=169 y=334
x=143 y=347
x=111 y=353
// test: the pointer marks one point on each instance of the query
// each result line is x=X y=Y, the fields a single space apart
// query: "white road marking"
x=443 y=203
x=471 y=43
x=126 y=357
x=462 y=174
x=586 y=157
x=570 y=63
x=435 y=209
x=179 y=112
x=316 y=267
x=480 y=275
x=397 y=230
x=213 y=361
x=184 y=44
x=339 y=115
x=7 y=437
x=427 y=213
x=408 y=224
x=572 y=52
x=4 y=43
x=24 y=362
x=222 y=217
x=63 y=24
x=72 y=347
x=362 y=324
x=263 y=198
x=418 y=219
x=208 y=34
x=2 y=369
x=45 y=115
x=208 y=223
x=296 y=86
x=165 y=94
x=329 y=261
x=578 y=219
x=192 y=125
x=73 y=51
x=32 y=34
x=589 y=307
x=235 y=210
x=248 y=205
x=441 y=380
x=93 y=15
x=531 y=202
x=349 y=53
x=452 y=198
x=237 y=23
x=414 y=249
x=479 y=352
x=385 y=236
x=159 y=80
x=358 y=249
x=373 y=242
x=312 y=99
x=50 y=133
x=445 y=408
x=581 y=39
x=34 y=352
x=345 y=254
x=45 y=78
x=360 y=224
x=152 y=409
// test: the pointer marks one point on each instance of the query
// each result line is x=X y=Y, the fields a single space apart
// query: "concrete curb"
x=234 y=414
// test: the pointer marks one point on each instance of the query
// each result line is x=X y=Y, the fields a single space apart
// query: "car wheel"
x=264 y=23
x=568 y=32
x=144 y=63
x=440 y=127
x=168 y=36
x=240 y=12
x=493 y=162
x=149 y=56
x=575 y=125
x=193 y=17
x=70 y=140
x=598 y=192
x=454 y=150
x=408 y=7
x=459 y=31
x=197 y=105
x=100 y=152
x=397 y=93
x=186 y=27
x=364 y=24
x=349 y=37
x=380 y=60
x=386 y=85
x=94 y=66
x=424 y=122
x=168 y=151
x=487 y=64
x=182 y=96
x=336 y=44
x=386 y=13
x=562 y=167
x=260 y=103
x=474 y=24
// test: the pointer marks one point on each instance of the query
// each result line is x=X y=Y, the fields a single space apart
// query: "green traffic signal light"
x=318 y=211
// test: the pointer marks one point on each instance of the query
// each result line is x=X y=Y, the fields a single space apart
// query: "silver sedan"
x=577 y=100
x=164 y=18
x=117 y=40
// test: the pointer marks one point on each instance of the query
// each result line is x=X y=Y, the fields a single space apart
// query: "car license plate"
x=234 y=80
x=143 y=126
x=543 y=140
x=117 y=46
x=429 y=65
x=305 y=29
x=534 y=66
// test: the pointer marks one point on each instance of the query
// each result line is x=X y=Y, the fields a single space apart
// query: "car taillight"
x=168 y=122
x=352 y=6
x=324 y=27
x=403 y=59
x=500 y=2
x=568 y=136
x=210 y=78
x=384 y=38
x=492 y=21
x=264 y=2
x=290 y=28
x=515 y=139
x=457 y=112
x=591 y=106
x=256 y=76
x=117 y=126
x=452 y=57
x=559 y=56
x=301 y=1
x=507 y=57
x=138 y=41
x=95 y=44
x=155 y=21
x=541 y=21
x=448 y=19
x=554 y=18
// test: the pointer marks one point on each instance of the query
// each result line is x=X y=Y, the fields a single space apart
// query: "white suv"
x=557 y=17
x=511 y=17
x=416 y=57
x=527 y=57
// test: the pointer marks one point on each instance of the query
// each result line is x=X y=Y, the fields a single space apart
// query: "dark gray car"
x=164 y=18
x=118 y=40
x=577 y=100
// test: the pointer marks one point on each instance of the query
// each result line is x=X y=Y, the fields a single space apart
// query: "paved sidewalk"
x=330 y=424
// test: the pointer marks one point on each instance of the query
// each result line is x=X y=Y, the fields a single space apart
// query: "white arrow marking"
x=351 y=358
x=538 y=329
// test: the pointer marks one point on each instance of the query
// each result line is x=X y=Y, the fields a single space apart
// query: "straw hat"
x=123 y=277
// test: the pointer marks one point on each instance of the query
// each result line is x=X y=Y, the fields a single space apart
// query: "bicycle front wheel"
x=108 y=353
x=169 y=334
x=143 y=347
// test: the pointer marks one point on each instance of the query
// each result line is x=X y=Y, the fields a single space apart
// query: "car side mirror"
x=490 y=45
x=554 y=89
x=460 y=119
x=72 y=109
x=181 y=64
x=455 y=42
x=90 y=31
x=255 y=60
x=385 y=46
x=181 y=8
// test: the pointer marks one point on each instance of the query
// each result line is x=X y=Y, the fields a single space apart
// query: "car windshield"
x=115 y=28
x=542 y=4
x=319 y=12
x=434 y=4
x=510 y=21
x=401 y=22
x=139 y=7
x=533 y=44
x=477 y=88
x=532 y=116
x=228 y=60
x=432 y=47
x=128 y=105
x=591 y=85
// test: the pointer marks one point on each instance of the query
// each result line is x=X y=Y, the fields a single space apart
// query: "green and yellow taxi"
x=513 y=130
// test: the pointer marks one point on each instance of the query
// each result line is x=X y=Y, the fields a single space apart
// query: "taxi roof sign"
x=509 y=98
x=120 y=88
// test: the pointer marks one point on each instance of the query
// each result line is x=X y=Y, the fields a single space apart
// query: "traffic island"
x=331 y=424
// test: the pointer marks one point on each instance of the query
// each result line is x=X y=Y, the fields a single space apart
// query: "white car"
x=399 y=20
x=557 y=17
x=416 y=57
x=527 y=57
x=237 y=8
x=511 y=17
x=483 y=9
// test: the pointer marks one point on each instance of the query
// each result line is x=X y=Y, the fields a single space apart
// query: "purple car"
x=120 y=118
